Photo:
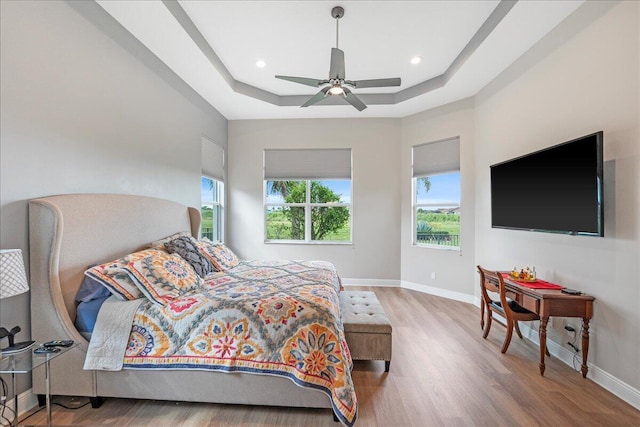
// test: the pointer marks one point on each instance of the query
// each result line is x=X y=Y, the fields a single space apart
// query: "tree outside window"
x=308 y=210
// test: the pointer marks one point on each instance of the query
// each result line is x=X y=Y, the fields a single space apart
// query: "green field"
x=431 y=225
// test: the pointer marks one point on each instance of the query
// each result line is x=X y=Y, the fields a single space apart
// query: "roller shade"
x=436 y=157
x=212 y=160
x=307 y=164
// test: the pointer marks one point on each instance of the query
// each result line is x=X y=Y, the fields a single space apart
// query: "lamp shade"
x=13 y=278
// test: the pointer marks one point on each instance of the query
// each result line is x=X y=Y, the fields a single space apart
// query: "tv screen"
x=556 y=190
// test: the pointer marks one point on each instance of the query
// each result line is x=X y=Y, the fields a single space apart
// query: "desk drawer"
x=530 y=303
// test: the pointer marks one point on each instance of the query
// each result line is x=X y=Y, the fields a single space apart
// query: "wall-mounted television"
x=555 y=190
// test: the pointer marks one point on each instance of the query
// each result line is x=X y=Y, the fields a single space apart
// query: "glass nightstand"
x=25 y=362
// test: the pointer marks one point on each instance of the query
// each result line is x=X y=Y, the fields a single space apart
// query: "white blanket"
x=111 y=335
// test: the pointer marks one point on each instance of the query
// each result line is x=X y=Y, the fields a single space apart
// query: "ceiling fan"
x=336 y=84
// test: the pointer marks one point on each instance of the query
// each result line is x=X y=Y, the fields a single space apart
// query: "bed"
x=70 y=232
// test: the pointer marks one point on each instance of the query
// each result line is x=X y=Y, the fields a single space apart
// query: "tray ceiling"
x=214 y=46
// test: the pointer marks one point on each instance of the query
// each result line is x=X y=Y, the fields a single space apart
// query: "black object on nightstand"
x=14 y=347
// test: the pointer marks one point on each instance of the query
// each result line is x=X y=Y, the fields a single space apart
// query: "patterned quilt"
x=265 y=317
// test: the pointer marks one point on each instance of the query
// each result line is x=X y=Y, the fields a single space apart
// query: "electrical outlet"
x=433 y=275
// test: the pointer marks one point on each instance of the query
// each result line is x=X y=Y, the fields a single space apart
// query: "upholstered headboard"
x=67 y=233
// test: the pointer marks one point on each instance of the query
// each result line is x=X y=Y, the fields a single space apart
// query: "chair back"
x=492 y=281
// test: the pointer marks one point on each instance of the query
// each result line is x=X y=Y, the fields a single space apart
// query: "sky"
x=206 y=193
x=444 y=188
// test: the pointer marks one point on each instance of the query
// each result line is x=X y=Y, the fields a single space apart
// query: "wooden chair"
x=492 y=281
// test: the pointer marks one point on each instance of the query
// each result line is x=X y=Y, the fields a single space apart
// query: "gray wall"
x=583 y=77
x=375 y=198
x=86 y=108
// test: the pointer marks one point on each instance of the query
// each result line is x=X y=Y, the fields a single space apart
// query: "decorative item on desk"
x=525 y=274
x=13 y=281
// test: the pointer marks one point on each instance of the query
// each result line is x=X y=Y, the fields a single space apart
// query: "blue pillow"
x=87 y=314
x=91 y=289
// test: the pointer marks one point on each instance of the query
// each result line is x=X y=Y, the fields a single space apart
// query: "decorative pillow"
x=164 y=277
x=91 y=289
x=220 y=256
x=159 y=244
x=87 y=314
x=187 y=248
x=114 y=276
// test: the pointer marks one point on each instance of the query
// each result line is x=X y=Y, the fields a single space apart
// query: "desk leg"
x=585 y=346
x=15 y=399
x=47 y=391
x=543 y=342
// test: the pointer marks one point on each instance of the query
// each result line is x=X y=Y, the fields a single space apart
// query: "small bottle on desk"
x=533 y=273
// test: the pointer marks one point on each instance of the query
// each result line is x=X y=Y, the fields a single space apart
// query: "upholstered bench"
x=367 y=329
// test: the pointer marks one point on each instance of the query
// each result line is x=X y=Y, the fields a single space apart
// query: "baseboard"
x=26 y=401
x=458 y=296
x=381 y=283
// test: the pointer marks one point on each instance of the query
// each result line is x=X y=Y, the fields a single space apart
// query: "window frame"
x=216 y=204
x=308 y=206
x=430 y=159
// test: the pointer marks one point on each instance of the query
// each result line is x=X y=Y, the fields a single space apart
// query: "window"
x=436 y=194
x=212 y=192
x=308 y=210
x=307 y=195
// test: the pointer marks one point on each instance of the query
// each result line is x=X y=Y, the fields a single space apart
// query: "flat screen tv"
x=555 y=190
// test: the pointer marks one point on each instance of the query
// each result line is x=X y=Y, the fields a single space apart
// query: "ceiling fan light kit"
x=336 y=84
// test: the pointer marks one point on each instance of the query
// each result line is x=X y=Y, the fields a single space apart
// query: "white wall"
x=86 y=108
x=454 y=269
x=582 y=78
x=375 y=198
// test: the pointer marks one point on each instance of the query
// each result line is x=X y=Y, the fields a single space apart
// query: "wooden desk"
x=551 y=302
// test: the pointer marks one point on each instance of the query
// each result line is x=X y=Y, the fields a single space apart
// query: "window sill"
x=437 y=247
x=299 y=242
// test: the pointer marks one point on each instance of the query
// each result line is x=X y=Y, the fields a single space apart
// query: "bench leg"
x=335 y=417
x=96 y=401
x=387 y=365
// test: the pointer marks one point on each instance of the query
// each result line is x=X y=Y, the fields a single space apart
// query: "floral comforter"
x=271 y=317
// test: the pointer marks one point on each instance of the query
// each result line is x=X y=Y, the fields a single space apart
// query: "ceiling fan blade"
x=336 y=71
x=353 y=100
x=316 y=98
x=303 y=80
x=359 y=84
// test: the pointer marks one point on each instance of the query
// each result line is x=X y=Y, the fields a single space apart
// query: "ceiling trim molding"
x=501 y=10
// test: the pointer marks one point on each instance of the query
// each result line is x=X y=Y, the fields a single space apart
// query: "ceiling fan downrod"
x=337 y=13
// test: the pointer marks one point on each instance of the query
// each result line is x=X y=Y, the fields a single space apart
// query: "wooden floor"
x=442 y=374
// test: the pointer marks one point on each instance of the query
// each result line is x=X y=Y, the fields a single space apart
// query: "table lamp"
x=13 y=281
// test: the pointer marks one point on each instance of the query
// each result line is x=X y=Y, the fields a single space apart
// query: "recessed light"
x=260 y=64
x=416 y=60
